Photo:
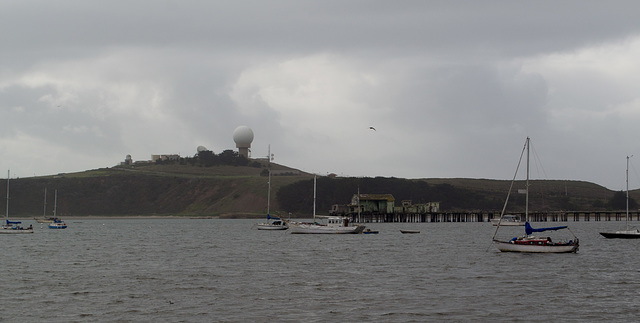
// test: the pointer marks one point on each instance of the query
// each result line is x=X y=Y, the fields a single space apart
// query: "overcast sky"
x=453 y=88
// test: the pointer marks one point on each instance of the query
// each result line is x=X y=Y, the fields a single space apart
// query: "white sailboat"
x=331 y=225
x=508 y=220
x=627 y=233
x=57 y=223
x=529 y=242
x=273 y=223
x=44 y=218
x=13 y=227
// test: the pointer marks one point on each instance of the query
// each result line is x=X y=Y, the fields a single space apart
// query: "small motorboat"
x=369 y=231
x=410 y=231
x=58 y=224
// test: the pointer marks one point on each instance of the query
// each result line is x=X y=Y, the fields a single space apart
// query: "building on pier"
x=382 y=204
x=368 y=203
x=408 y=207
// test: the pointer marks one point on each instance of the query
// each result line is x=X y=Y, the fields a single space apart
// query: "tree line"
x=207 y=158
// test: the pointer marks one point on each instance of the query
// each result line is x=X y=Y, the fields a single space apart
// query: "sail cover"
x=272 y=217
x=529 y=230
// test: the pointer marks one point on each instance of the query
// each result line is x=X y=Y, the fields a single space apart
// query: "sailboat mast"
x=55 y=204
x=44 y=212
x=627 y=175
x=269 y=191
x=526 y=207
x=358 y=203
x=314 y=198
x=7 y=212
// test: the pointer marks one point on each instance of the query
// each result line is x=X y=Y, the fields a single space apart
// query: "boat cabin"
x=536 y=241
x=337 y=221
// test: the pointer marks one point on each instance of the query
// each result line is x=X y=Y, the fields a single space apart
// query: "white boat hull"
x=507 y=223
x=508 y=246
x=270 y=226
x=45 y=220
x=309 y=228
x=625 y=234
x=15 y=231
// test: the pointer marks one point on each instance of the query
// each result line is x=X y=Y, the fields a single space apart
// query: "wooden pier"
x=486 y=216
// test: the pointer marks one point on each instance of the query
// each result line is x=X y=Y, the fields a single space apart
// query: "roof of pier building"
x=372 y=197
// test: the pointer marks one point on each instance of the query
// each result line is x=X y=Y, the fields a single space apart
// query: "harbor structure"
x=368 y=208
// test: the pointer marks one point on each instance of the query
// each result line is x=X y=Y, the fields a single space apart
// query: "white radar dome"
x=243 y=136
x=202 y=148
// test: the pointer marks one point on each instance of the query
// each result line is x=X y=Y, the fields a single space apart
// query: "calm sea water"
x=168 y=270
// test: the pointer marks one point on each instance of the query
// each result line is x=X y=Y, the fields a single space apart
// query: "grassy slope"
x=150 y=190
x=234 y=191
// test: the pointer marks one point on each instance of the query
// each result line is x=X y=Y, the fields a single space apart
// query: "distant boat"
x=627 y=233
x=13 y=227
x=508 y=220
x=409 y=231
x=529 y=242
x=330 y=225
x=44 y=218
x=273 y=223
x=57 y=223
x=369 y=231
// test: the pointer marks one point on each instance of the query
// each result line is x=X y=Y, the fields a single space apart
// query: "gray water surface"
x=170 y=270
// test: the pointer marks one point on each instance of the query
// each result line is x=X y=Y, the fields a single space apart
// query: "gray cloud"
x=453 y=88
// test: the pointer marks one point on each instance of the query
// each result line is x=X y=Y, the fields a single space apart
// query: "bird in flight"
x=372 y=128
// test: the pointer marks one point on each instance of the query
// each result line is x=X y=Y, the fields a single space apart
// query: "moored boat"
x=44 y=218
x=508 y=220
x=272 y=223
x=330 y=225
x=529 y=242
x=13 y=227
x=622 y=234
x=627 y=233
x=57 y=223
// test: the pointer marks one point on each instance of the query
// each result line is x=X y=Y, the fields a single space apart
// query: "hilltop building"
x=127 y=161
x=243 y=137
x=165 y=157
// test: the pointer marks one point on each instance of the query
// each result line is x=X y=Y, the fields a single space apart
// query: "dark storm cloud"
x=442 y=82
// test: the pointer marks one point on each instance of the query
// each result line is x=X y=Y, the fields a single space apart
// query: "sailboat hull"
x=530 y=243
x=632 y=234
x=624 y=234
x=508 y=246
x=271 y=226
x=15 y=231
x=310 y=228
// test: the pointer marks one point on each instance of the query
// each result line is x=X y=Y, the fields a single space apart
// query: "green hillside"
x=241 y=191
